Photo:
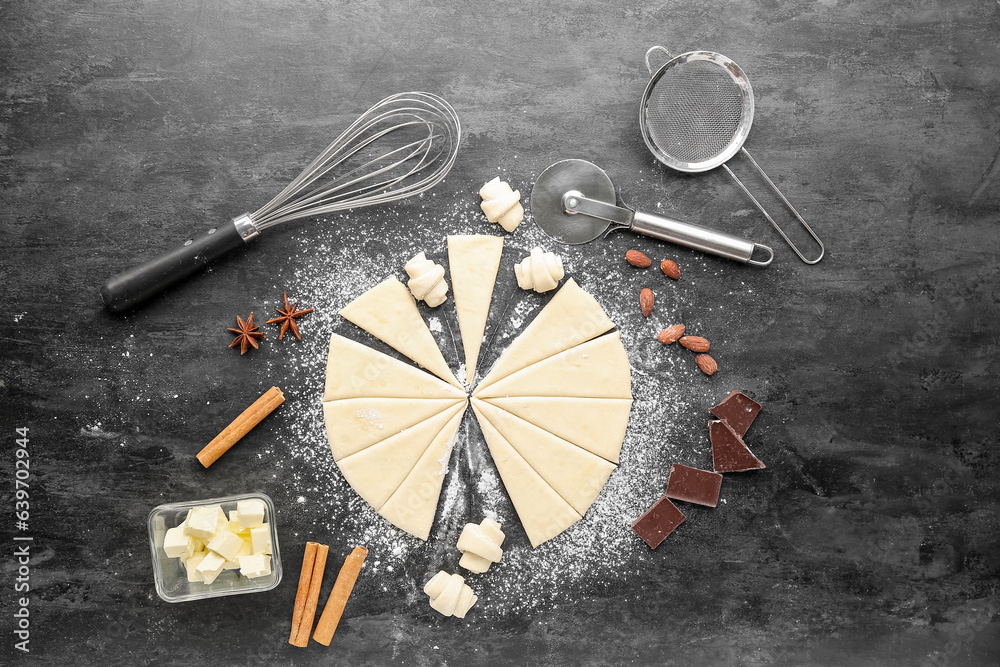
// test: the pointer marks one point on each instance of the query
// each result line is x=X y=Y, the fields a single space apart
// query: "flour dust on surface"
x=330 y=270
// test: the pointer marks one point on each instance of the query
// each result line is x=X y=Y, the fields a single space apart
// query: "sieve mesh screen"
x=694 y=111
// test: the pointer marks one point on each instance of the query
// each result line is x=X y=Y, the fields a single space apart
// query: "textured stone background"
x=127 y=126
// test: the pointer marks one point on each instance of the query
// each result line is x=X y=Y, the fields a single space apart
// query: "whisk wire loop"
x=332 y=191
x=402 y=146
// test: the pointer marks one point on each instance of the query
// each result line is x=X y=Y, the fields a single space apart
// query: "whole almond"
x=706 y=364
x=636 y=258
x=670 y=334
x=646 y=301
x=694 y=343
x=670 y=268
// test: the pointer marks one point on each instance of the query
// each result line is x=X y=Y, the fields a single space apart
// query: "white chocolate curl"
x=427 y=281
x=480 y=545
x=540 y=271
x=449 y=594
x=501 y=204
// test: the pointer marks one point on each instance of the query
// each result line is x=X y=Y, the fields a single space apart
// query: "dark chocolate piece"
x=693 y=485
x=729 y=452
x=657 y=522
x=738 y=410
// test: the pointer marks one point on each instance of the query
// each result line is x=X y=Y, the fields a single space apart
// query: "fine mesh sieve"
x=696 y=114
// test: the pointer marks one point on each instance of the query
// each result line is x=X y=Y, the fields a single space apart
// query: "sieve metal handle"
x=700 y=238
x=760 y=207
x=651 y=51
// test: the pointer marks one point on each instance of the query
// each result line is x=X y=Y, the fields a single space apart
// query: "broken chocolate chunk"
x=693 y=485
x=738 y=410
x=657 y=522
x=729 y=452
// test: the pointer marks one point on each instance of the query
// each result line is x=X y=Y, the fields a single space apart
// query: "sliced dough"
x=375 y=473
x=596 y=424
x=573 y=472
x=352 y=424
x=354 y=370
x=388 y=312
x=571 y=317
x=543 y=512
x=412 y=506
x=474 y=262
x=596 y=369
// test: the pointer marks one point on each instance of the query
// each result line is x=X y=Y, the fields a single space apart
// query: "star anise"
x=246 y=334
x=287 y=318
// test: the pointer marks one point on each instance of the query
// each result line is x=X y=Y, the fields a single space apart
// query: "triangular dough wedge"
x=354 y=370
x=596 y=424
x=571 y=317
x=353 y=424
x=596 y=369
x=388 y=312
x=473 y=262
x=375 y=473
x=412 y=506
x=573 y=472
x=543 y=512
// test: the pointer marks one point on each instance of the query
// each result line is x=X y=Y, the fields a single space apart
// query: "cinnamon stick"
x=335 y=604
x=312 y=598
x=240 y=426
x=308 y=561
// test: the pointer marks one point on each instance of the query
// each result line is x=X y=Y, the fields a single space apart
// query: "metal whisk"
x=402 y=146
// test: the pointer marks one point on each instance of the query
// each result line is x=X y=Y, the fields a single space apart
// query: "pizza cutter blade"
x=574 y=202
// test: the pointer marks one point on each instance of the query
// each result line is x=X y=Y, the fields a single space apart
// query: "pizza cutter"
x=574 y=202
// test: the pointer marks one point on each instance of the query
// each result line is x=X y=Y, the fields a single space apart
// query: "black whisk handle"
x=139 y=283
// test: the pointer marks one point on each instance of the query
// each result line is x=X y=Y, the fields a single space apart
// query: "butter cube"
x=203 y=522
x=233 y=525
x=210 y=566
x=222 y=524
x=260 y=539
x=245 y=550
x=225 y=544
x=234 y=563
x=191 y=565
x=177 y=544
x=255 y=565
x=236 y=526
x=251 y=513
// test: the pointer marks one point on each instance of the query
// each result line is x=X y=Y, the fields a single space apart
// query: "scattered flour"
x=601 y=548
x=372 y=416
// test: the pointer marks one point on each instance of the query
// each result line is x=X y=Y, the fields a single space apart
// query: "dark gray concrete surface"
x=127 y=126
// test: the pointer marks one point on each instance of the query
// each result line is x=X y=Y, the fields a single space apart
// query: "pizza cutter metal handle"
x=668 y=229
x=700 y=238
